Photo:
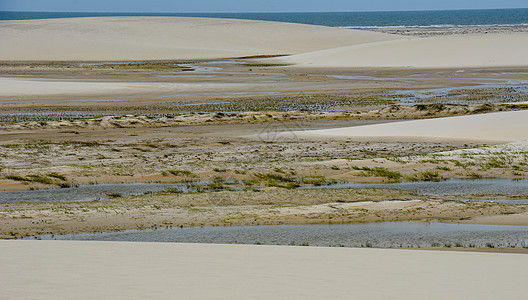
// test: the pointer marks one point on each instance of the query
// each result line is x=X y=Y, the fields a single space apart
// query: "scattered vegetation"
x=16 y=178
x=380 y=172
x=425 y=176
x=273 y=177
x=318 y=180
x=50 y=178
x=181 y=173
x=114 y=195
x=58 y=176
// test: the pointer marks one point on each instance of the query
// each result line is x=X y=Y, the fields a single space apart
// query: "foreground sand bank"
x=155 y=38
x=493 y=127
x=59 y=270
x=464 y=51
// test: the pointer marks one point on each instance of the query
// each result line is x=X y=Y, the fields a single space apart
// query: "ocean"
x=438 y=18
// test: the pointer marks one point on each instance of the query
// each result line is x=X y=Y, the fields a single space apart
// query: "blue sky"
x=251 y=5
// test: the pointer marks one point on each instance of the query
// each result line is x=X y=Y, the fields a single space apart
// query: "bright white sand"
x=154 y=38
x=33 y=87
x=497 y=50
x=45 y=87
x=494 y=127
x=94 y=270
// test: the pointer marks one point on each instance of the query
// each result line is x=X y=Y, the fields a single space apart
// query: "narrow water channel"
x=380 y=235
x=450 y=187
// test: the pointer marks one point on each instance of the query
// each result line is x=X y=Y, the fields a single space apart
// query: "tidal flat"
x=238 y=147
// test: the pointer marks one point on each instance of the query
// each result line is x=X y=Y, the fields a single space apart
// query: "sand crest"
x=464 y=51
x=65 y=270
x=158 y=38
x=493 y=127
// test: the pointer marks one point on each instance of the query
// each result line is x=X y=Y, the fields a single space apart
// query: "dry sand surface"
x=154 y=38
x=493 y=50
x=42 y=87
x=66 y=270
x=165 y=38
x=497 y=127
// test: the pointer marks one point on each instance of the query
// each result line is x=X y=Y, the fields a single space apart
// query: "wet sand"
x=161 y=119
x=130 y=145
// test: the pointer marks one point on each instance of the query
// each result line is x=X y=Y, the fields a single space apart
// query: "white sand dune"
x=493 y=127
x=118 y=270
x=464 y=51
x=156 y=38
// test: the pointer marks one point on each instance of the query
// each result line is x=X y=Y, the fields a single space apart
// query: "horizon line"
x=258 y=12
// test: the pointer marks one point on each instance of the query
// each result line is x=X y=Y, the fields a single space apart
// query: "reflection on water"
x=385 y=235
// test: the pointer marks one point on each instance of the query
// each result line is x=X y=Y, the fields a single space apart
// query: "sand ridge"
x=172 y=38
x=496 y=127
x=462 y=51
x=157 y=38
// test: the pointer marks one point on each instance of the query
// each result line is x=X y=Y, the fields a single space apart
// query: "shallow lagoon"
x=450 y=187
x=86 y=192
x=383 y=235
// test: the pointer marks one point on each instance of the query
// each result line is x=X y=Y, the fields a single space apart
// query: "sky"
x=184 y=6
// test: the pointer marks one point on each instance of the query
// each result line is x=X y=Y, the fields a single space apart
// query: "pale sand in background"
x=169 y=38
x=119 y=270
x=493 y=127
x=464 y=51
x=155 y=38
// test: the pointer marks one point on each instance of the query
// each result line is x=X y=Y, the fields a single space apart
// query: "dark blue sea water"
x=335 y=19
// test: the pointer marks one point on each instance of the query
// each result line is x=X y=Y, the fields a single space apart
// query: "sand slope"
x=152 y=38
x=94 y=270
x=495 y=127
x=497 y=50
